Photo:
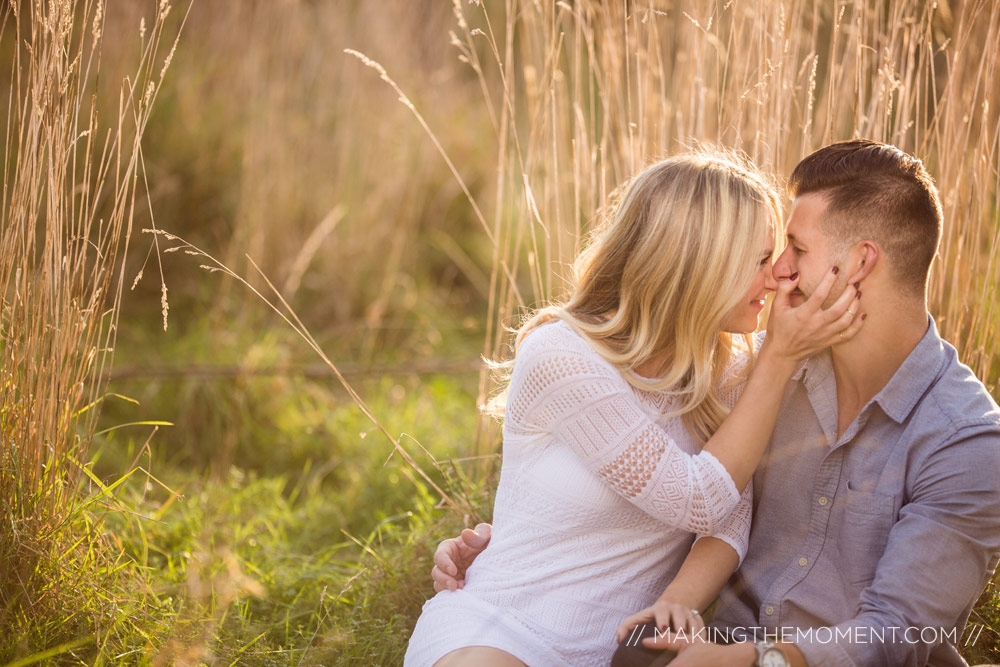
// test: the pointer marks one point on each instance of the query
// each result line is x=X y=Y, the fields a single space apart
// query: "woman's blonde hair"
x=660 y=275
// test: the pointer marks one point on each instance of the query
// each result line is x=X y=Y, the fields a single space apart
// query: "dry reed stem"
x=289 y=316
x=69 y=189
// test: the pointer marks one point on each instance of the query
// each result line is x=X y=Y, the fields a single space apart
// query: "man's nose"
x=782 y=267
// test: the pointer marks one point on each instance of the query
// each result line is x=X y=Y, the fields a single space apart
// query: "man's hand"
x=455 y=555
x=696 y=652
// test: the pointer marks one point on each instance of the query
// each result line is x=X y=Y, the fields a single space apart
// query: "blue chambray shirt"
x=894 y=524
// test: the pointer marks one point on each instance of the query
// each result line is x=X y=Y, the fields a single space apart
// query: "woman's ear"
x=868 y=255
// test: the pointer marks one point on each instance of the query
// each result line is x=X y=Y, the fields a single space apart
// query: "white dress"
x=598 y=503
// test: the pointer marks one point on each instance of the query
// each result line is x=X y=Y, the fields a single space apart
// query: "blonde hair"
x=660 y=276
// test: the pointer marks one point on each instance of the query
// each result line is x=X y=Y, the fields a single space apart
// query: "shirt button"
x=822 y=501
x=803 y=561
x=769 y=610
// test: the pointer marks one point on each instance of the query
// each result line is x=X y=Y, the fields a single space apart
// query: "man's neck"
x=865 y=364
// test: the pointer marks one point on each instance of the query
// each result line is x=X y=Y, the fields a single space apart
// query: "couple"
x=636 y=447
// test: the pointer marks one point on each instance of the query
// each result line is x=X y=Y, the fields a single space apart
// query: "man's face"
x=810 y=252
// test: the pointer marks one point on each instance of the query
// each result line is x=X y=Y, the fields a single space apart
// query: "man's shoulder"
x=959 y=396
x=956 y=418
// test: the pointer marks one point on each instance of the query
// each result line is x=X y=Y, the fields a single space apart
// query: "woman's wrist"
x=776 y=362
x=679 y=596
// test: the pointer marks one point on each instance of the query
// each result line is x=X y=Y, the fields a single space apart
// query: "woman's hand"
x=796 y=332
x=667 y=615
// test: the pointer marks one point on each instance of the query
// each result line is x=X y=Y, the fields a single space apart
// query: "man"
x=877 y=505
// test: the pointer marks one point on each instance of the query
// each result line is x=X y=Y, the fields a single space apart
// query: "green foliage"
x=318 y=555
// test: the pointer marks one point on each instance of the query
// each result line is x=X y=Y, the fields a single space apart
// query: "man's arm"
x=940 y=554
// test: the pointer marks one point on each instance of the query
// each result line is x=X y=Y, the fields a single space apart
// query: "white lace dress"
x=598 y=503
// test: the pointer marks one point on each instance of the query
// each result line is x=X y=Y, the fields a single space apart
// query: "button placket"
x=825 y=489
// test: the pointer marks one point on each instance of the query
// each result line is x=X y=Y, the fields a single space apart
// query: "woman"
x=617 y=449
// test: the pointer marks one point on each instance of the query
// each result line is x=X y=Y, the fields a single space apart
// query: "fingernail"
x=835 y=270
x=794 y=276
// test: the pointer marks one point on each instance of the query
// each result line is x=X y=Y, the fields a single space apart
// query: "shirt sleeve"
x=940 y=555
x=562 y=388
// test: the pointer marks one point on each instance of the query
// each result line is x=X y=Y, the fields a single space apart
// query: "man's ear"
x=868 y=254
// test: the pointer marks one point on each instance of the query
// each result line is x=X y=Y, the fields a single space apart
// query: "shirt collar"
x=910 y=381
x=814 y=370
x=899 y=396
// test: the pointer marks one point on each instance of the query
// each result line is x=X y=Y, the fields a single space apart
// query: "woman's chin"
x=747 y=326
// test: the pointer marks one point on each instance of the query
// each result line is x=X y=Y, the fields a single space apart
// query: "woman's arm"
x=561 y=388
x=705 y=570
x=707 y=567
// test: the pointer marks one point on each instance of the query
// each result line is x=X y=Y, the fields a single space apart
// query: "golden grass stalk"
x=586 y=93
x=69 y=196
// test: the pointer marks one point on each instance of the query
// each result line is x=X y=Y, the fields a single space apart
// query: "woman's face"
x=743 y=318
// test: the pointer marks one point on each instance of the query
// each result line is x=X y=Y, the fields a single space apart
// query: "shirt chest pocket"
x=864 y=532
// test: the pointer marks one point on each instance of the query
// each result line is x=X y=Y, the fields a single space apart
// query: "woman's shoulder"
x=740 y=354
x=557 y=346
x=738 y=367
x=744 y=349
x=551 y=337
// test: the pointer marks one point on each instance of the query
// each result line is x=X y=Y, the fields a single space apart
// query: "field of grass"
x=241 y=448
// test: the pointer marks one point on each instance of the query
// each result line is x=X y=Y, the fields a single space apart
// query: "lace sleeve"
x=563 y=388
x=735 y=531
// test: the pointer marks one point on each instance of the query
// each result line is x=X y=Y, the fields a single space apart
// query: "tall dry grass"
x=70 y=188
x=581 y=95
x=266 y=125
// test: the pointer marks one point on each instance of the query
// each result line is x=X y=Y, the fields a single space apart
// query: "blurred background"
x=408 y=201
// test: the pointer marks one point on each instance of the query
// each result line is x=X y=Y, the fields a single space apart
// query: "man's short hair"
x=876 y=191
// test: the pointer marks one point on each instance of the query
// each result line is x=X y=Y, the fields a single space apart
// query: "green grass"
x=274 y=528
x=257 y=574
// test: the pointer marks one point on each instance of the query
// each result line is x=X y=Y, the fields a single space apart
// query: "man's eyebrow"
x=791 y=237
